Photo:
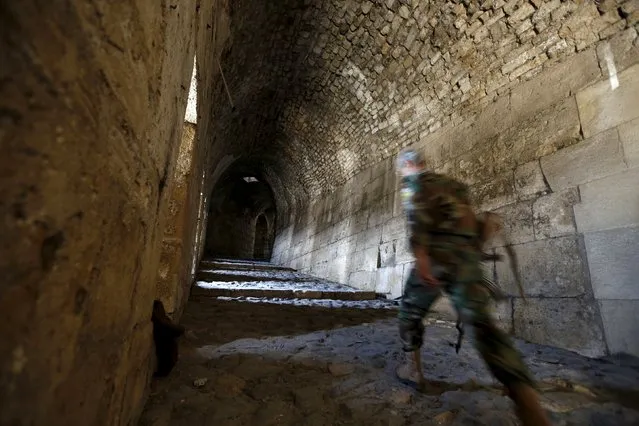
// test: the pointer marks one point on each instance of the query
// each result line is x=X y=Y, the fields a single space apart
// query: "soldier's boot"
x=529 y=409
x=411 y=370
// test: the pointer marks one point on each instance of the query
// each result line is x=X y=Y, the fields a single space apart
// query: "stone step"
x=241 y=265
x=233 y=278
x=283 y=293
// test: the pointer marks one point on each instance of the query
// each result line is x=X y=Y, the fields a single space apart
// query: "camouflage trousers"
x=463 y=284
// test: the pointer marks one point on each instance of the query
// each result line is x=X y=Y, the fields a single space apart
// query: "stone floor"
x=252 y=361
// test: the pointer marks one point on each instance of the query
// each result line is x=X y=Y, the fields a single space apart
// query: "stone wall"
x=92 y=106
x=557 y=156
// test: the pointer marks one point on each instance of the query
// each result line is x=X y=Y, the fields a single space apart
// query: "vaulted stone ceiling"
x=324 y=88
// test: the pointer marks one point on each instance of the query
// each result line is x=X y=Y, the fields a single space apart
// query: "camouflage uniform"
x=441 y=220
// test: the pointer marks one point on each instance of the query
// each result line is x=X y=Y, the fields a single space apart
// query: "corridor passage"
x=255 y=360
x=151 y=148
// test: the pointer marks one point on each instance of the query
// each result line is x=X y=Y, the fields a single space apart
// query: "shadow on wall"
x=241 y=217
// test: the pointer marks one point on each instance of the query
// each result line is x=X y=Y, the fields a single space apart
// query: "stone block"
x=486 y=126
x=494 y=193
x=629 y=135
x=621 y=325
x=338 y=270
x=553 y=214
x=613 y=259
x=607 y=203
x=620 y=50
x=369 y=238
x=605 y=105
x=591 y=159
x=472 y=167
x=341 y=230
x=359 y=222
x=548 y=268
x=345 y=247
x=536 y=135
x=380 y=212
x=365 y=260
x=389 y=278
x=518 y=222
x=529 y=180
x=390 y=181
x=363 y=280
x=373 y=191
x=571 y=324
x=436 y=146
x=554 y=84
x=403 y=252
x=398 y=209
x=387 y=254
x=393 y=229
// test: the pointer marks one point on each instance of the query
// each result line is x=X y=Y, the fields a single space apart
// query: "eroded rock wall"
x=92 y=105
x=556 y=155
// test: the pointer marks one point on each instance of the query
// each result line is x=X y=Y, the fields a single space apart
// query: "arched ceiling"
x=324 y=88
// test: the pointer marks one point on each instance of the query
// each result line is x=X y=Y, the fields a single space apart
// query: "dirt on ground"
x=276 y=364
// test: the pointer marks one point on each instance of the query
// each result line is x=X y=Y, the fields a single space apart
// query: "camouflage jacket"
x=441 y=213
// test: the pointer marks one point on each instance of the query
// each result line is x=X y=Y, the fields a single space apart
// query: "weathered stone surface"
x=369 y=238
x=518 y=222
x=536 y=135
x=621 y=51
x=363 y=280
x=621 y=325
x=494 y=193
x=387 y=254
x=550 y=268
x=397 y=286
x=613 y=263
x=590 y=159
x=393 y=229
x=603 y=106
x=403 y=252
x=555 y=83
x=553 y=214
x=529 y=180
x=365 y=260
x=93 y=101
x=629 y=135
x=566 y=323
x=389 y=278
x=609 y=203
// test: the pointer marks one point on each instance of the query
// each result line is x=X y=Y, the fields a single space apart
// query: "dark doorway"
x=260 y=248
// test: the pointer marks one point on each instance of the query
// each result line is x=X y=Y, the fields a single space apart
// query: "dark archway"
x=260 y=247
x=241 y=216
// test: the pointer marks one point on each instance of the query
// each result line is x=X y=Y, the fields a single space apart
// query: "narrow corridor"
x=295 y=361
